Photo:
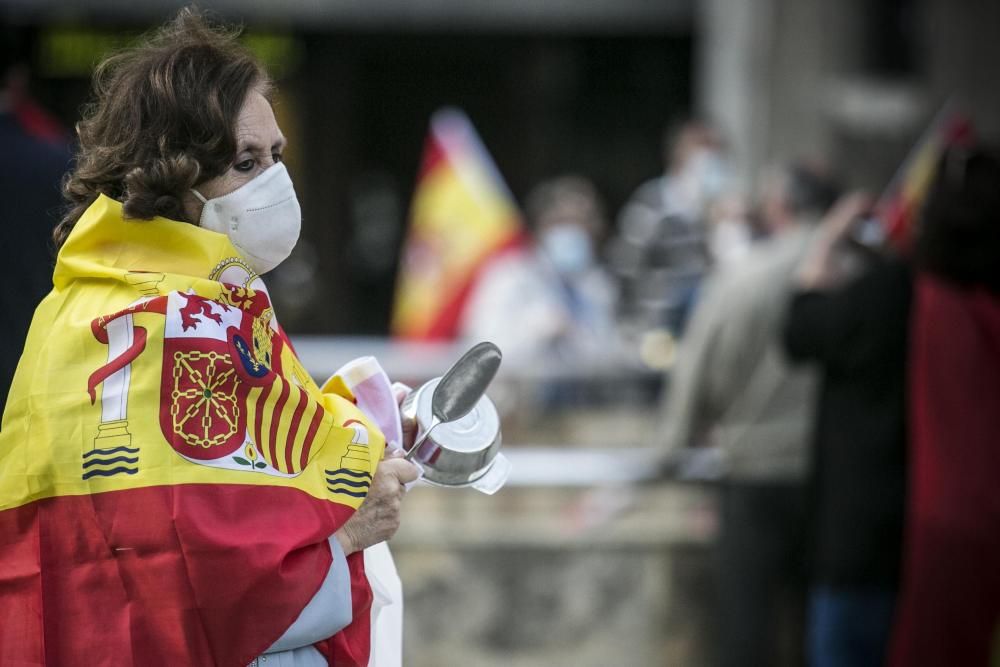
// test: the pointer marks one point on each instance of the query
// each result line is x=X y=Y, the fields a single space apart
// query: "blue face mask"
x=568 y=247
x=710 y=173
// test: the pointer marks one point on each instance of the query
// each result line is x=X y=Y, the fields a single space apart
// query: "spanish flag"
x=169 y=473
x=901 y=202
x=462 y=215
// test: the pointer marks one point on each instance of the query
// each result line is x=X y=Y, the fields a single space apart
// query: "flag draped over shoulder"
x=462 y=215
x=169 y=473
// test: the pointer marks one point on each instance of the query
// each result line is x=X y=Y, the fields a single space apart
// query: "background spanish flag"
x=462 y=214
x=902 y=200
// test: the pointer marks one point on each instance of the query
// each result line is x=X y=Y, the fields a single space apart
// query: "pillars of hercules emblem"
x=113 y=430
x=125 y=342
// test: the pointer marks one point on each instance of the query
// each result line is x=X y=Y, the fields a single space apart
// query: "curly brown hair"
x=163 y=120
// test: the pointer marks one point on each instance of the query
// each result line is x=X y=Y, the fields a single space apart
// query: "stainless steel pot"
x=465 y=452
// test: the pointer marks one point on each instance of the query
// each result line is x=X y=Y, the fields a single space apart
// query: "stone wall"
x=548 y=576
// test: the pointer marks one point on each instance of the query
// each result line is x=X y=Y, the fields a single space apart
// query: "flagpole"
x=937 y=122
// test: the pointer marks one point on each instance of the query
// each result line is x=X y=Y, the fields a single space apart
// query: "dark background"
x=356 y=107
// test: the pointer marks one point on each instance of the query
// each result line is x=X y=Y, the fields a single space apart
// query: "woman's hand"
x=400 y=391
x=378 y=517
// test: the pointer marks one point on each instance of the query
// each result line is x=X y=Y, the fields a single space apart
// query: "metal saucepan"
x=455 y=453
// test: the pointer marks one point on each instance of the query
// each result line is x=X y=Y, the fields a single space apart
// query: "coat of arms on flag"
x=223 y=399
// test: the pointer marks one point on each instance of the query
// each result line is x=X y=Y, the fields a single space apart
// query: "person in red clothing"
x=949 y=607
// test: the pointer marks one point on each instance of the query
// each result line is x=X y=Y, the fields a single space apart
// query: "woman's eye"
x=276 y=157
x=244 y=166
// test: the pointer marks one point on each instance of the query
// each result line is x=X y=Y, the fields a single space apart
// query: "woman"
x=174 y=488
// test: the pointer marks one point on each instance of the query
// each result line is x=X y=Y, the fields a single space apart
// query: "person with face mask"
x=174 y=488
x=665 y=242
x=733 y=395
x=550 y=299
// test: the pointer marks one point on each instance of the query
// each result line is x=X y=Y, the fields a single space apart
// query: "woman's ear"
x=193 y=207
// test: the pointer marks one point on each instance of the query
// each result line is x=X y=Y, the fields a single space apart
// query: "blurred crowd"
x=848 y=388
x=837 y=377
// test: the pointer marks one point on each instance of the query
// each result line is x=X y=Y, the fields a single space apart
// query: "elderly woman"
x=174 y=488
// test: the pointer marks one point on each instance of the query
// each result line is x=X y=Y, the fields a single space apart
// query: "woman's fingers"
x=400 y=468
x=378 y=517
x=400 y=391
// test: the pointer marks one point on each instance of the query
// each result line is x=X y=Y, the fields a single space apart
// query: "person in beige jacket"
x=733 y=391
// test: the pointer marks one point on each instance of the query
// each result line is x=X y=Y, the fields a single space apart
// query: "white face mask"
x=262 y=218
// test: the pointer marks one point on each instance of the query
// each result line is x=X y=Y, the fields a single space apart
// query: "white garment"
x=519 y=303
x=374 y=395
x=387 y=607
x=325 y=615
x=330 y=610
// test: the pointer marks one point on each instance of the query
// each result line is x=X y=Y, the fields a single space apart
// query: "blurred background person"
x=664 y=245
x=35 y=159
x=949 y=606
x=731 y=230
x=852 y=321
x=732 y=389
x=551 y=299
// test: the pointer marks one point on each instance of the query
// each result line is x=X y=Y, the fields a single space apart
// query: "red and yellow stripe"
x=284 y=422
